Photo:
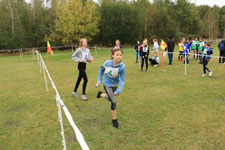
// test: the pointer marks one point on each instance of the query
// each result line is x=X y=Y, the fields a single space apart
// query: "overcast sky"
x=219 y=3
x=211 y=3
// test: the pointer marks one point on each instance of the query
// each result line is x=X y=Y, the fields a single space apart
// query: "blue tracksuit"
x=186 y=48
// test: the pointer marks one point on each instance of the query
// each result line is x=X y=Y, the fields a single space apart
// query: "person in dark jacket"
x=144 y=55
x=221 y=47
x=206 y=55
x=170 y=47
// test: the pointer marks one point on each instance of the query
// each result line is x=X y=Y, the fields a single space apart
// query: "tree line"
x=64 y=22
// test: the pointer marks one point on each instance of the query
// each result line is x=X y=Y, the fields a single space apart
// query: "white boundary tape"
x=60 y=104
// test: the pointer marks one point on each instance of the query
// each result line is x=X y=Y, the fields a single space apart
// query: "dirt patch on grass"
x=11 y=123
x=17 y=108
x=91 y=122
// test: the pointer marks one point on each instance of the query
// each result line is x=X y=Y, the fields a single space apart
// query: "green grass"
x=156 y=110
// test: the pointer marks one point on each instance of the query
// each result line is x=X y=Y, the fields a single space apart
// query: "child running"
x=82 y=55
x=206 y=55
x=144 y=55
x=114 y=71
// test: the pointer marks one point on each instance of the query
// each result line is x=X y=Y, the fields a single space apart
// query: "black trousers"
x=205 y=62
x=222 y=57
x=146 y=62
x=180 y=57
x=82 y=74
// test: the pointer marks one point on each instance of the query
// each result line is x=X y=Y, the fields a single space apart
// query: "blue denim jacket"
x=113 y=75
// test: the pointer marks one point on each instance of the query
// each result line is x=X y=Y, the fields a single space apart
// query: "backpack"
x=221 y=46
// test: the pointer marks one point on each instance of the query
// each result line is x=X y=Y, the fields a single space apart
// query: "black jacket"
x=170 y=45
x=144 y=53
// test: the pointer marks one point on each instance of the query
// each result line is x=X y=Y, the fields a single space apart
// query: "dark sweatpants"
x=222 y=57
x=146 y=62
x=205 y=62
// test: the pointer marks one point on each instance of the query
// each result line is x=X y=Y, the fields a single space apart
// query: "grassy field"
x=156 y=110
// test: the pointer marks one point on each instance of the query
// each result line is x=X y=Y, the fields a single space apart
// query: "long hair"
x=81 y=42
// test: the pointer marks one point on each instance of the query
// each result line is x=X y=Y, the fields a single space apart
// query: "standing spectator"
x=221 y=47
x=193 y=48
x=186 y=53
x=197 y=46
x=181 y=49
x=155 y=45
x=200 y=50
x=137 y=51
x=117 y=42
x=171 y=44
x=144 y=55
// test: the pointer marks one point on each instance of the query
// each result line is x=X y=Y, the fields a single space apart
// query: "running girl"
x=82 y=55
x=114 y=71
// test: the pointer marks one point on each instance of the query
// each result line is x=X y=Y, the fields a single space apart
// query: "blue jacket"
x=189 y=46
x=113 y=75
x=186 y=49
x=207 y=53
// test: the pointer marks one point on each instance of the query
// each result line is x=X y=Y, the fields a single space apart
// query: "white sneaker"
x=203 y=75
x=84 y=97
x=224 y=63
x=75 y=94
x=210 y=73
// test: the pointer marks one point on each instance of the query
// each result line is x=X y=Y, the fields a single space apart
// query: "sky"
x=211 y=3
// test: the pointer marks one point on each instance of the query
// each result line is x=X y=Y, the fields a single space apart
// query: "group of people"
x=113 y=71
x=142 y=54
x=197 y=48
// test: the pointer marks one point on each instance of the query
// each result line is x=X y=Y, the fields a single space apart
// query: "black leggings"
x=180 y=57
x=146 y=62
x=205 y=62
x=82 y=74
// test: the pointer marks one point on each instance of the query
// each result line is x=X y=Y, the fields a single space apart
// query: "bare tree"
x=12 y=17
